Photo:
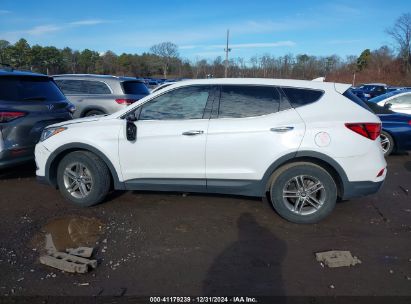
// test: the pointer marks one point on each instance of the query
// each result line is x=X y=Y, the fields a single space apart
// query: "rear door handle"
x=193 y=132
x=281 y=129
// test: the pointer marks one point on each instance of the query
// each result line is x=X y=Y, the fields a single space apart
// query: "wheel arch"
x=58 y=154
x=92 y=108
x=320 y=159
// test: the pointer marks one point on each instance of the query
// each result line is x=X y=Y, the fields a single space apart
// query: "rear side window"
x=248 y=101
x=73 y=87
x=135 y=88
x=28 y=88
x=302 y=97
x=96 y=87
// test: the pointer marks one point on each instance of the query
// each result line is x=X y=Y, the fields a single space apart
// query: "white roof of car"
x=339 y=87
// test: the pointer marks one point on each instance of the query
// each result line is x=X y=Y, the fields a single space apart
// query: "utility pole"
x=226 y=50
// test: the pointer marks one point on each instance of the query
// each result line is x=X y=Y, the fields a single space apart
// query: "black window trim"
x=84 y=80
x=216 y=108
x=300 y=88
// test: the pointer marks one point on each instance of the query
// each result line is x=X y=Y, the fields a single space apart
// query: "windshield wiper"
x=40 y=98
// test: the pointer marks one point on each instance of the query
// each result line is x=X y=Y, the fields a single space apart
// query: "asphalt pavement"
x=176 y=244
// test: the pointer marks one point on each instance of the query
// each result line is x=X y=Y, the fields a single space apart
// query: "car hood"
x=78 y=120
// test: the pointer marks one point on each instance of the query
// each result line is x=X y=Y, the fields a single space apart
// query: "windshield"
x=385 y=96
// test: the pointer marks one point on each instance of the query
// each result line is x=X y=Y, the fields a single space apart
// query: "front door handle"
x=193 y=132
x=281 y=129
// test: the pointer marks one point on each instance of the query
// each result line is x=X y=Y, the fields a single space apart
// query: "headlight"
x=49 y=132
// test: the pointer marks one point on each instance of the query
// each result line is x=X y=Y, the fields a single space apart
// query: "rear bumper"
x=358 y=189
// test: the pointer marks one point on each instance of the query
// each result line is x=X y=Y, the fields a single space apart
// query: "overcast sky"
x=199 y=27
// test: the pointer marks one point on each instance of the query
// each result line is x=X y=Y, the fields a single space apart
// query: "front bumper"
x=42 y=154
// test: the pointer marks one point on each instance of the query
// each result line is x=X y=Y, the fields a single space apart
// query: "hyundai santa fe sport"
x=303 y=144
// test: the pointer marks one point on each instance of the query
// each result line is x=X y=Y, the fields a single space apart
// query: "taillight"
x=409 y=122
x=6 y=116
x=125 y=101
x=366 y=129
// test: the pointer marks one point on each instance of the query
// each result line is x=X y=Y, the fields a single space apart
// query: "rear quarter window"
x=29 y=88
x=300 y=97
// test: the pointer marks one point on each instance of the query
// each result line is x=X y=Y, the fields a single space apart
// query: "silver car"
x=100 y=94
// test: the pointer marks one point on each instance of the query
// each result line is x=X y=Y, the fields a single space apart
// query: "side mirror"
x=131 y=128
x=388 y=105
x=131 y=117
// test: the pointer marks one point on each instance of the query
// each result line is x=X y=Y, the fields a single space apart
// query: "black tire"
x=94 y=113
x=284 y=178
x=389 y=146
x=95 y=168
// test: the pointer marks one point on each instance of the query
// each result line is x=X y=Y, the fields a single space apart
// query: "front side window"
x=183 y=103
x=248 y=101
x=96 y=87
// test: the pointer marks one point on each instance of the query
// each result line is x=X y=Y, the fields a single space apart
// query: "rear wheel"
x=303 y=192
x=387 y=143
x=83 y=178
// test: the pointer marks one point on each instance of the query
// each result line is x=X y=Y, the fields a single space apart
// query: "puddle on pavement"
x=71 y=232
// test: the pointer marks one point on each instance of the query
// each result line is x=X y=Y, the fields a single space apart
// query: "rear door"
x=254 y=126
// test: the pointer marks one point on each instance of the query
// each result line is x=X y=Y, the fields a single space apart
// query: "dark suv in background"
x=100 y=94
x=28 y=103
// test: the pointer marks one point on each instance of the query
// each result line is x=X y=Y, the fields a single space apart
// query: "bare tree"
x=167 y=52
x=401 y=33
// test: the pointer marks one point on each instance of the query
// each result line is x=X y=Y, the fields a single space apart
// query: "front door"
x=171 y=139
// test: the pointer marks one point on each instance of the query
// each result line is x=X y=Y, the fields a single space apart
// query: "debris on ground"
x=84 y=252
x=404 y=189
x=337 y=258
x=74 y=261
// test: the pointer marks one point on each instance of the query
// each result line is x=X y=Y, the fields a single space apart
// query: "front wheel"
x=303 y=192
x=83 y=178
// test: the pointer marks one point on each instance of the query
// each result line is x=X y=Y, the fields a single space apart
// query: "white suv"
x=304 y=144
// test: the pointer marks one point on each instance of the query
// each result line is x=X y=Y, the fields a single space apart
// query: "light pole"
x=226 y=50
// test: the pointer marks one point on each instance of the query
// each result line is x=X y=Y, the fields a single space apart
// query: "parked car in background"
x=28 y=103
x=100 y=94
x=359 y=93
x=302 y=143
x=396 y=129
x=398 y=101
x=371 y=90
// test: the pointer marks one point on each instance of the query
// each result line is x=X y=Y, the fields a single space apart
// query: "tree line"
x=386 y=64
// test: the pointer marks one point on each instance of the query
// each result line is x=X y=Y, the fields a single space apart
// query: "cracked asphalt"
x=191 y=244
